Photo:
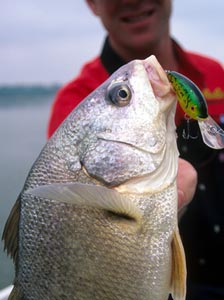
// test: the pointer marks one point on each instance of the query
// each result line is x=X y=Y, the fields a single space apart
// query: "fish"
x=193 y=103
x=97 y=216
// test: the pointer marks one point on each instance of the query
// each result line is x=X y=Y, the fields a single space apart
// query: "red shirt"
x=205 y=72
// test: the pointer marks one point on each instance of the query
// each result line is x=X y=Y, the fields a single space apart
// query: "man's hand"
x=186 y=182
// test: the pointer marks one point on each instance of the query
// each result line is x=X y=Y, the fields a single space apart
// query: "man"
x=137 y=29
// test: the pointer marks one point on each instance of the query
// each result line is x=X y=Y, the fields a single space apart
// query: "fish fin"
x=178 y=277
x=89 y=195
x=11 y=231
x=15 y=294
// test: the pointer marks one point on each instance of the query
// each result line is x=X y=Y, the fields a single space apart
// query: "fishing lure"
x=194 y=105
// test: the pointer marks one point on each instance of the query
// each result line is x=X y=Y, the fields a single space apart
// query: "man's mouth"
x=133 y=18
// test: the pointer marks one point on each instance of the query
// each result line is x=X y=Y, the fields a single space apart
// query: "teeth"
x=138 y=18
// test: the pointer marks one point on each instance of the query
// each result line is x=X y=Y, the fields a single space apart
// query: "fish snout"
x=159 y=82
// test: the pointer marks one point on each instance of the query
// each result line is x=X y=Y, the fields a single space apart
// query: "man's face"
x=134 y=23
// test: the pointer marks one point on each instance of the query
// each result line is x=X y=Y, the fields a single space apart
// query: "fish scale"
x=97 y=218
x=100 y=255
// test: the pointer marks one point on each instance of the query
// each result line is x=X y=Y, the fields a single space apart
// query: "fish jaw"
x=158 y=79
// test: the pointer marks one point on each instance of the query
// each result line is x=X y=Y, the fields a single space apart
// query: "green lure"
x=189 y=96
x=194 y=105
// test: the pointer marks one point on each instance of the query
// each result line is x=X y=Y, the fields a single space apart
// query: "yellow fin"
x=179 y=273
x=88 y=195
x=11 y=231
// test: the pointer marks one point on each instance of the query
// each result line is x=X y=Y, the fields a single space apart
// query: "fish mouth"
x=153 y=145
x=132 y=145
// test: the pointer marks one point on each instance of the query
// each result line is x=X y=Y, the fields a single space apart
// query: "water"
x=24 y=112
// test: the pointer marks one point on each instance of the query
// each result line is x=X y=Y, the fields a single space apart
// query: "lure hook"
x=186 y=133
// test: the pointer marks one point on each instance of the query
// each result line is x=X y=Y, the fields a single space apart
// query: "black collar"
x=110 y=59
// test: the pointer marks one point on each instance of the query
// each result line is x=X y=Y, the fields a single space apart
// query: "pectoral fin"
x=88 y=195
x=16 y=294
x=11 y=232
x=178 y=279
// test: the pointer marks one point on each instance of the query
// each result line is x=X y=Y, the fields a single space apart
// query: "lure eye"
x=119 y=94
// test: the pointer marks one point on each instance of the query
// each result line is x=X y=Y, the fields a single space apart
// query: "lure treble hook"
x=186 y=133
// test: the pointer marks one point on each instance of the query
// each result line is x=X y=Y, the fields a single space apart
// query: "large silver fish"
x=97 y=218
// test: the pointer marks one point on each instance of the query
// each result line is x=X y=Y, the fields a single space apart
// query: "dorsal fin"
x=178 y=279
x=11 y=231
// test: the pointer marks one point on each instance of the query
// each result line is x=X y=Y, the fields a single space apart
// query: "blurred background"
x=43 y=45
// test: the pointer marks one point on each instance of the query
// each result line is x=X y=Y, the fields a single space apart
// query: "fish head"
x=125 y=127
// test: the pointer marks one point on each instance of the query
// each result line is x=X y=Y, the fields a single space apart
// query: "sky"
x=46 y=41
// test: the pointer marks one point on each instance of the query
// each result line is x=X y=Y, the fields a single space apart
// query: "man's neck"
x=163 y=50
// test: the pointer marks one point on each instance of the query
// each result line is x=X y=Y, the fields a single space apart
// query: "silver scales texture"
x=101 y=260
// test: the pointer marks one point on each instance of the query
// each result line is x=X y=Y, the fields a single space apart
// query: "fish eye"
x=119 y=94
